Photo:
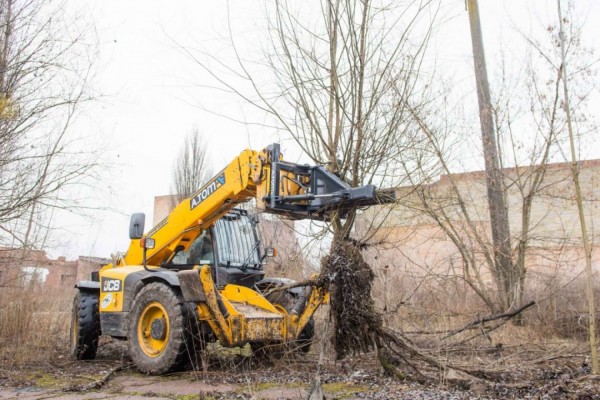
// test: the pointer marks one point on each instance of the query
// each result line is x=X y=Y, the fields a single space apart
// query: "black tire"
x=287 y=300
x=85 y=325
x=196 y=338
x=157 y=330
x=306 y=336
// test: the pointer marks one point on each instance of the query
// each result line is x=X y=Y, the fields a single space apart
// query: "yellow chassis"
x=238 y=315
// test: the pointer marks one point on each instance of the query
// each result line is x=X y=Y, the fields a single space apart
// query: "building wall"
x=32 y=267
x=414 y=243
x=280 y=234
x=162 y=207
x=87 y=265
x=411 y=241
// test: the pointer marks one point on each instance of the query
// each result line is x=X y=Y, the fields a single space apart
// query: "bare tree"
x=496 y=191
x=578 y=196
x=192 y=168
x=46 y=65
x=341 y=84
x=531 y=134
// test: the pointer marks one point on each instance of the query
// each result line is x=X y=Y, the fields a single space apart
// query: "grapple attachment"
x=302 y=191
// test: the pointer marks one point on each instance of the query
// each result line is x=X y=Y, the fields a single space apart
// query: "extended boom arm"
x=293 y=190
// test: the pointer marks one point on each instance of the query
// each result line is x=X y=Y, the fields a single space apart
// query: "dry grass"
x=428 y=310
x=34 y=324
x=434 y=303
x=562 y=309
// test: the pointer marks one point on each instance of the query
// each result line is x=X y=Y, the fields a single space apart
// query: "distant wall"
x=280 y=234
x=412 y=242
x=162 y=207
x=32 y=267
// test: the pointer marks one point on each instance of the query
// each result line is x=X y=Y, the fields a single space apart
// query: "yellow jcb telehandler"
x=198 y=275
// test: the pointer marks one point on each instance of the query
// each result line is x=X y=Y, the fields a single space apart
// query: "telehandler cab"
x=198 y=275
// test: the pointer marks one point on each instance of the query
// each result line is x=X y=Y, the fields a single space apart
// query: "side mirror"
x=136 y=225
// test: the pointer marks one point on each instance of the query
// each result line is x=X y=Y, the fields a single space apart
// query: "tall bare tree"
x=340 y=83
x=578 y=194
x=496 y=190
x=531 y=134
x=192 y=168
x=46 y=63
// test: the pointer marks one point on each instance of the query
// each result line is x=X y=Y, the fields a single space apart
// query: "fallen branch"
x=96 y=384
x=358 y=327
x=308 y=282
x=482 y=320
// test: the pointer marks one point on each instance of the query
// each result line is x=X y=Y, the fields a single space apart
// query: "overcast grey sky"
x=149 y=103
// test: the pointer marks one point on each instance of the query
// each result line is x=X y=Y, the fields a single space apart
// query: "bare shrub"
x=419 y=302
x=562 y=312
x=34 y=324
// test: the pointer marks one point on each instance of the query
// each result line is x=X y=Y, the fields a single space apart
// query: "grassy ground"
x=514 y=362
x=235 y=376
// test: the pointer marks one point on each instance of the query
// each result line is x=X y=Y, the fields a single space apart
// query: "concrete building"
x=19 y=268
x=421 y=236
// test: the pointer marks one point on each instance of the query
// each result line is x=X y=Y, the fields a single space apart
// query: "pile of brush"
x=357 y=325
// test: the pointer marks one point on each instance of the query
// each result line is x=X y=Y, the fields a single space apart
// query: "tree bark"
x=506 y=276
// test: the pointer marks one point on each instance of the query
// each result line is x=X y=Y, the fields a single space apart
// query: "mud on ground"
x=235 y=375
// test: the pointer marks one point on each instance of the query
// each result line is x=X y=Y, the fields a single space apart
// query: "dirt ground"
x=237 y=376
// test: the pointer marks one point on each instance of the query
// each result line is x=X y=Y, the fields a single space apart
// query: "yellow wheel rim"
x=153 y=329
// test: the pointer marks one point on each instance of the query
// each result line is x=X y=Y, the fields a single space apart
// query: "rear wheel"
x=85 y=326
x=157 y=334
x=196 y=337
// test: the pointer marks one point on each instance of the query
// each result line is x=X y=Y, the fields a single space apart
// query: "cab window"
x=200 y=252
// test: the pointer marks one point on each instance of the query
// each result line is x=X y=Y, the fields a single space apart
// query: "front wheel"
x=306 y=337
x=157 y=330
x=85 y=326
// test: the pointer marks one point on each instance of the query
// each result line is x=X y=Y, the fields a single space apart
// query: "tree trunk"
x=506 y=276
x=578 y=197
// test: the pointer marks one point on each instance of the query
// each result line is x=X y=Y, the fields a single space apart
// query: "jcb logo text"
x=111 y=285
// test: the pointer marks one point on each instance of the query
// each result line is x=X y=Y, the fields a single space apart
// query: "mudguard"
x=88 y=286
